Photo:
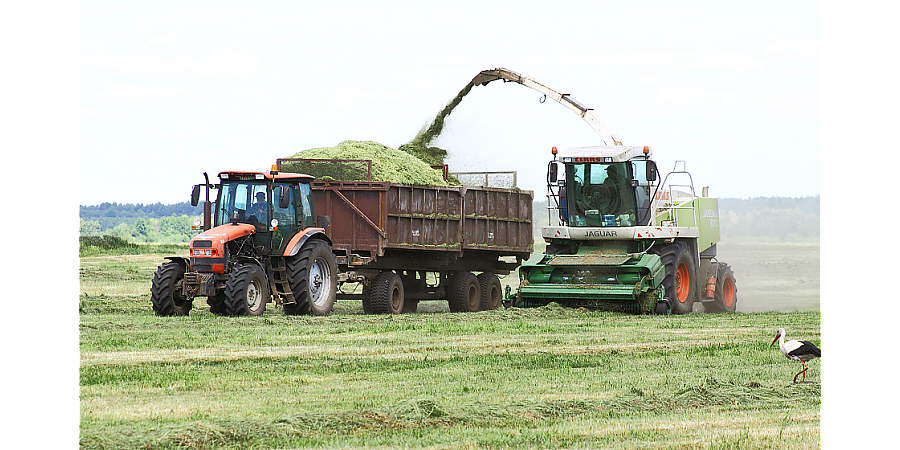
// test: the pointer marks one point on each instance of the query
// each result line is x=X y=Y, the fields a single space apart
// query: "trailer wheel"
x=246 y=291
x=313 y=274
x=464 y=292
x=387 y=294
x=165 y=290
x=681 y=275
x=725 y=299
x=491 y=291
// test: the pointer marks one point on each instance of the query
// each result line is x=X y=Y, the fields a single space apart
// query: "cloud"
x=695 y=96
x=161 y=40
x=808 y=48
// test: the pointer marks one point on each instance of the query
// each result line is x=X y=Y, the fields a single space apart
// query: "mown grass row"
x=550 y=377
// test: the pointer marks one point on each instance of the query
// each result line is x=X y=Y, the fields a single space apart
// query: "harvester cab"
x=621 y=239
x=262 y=245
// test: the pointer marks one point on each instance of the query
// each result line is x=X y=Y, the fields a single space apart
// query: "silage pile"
x=388 y=164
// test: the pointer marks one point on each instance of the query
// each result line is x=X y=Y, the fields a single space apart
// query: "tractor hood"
x=208 y=248
x=224 y=233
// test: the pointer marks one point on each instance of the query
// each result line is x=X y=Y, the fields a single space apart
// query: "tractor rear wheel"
x=165 y=290
x=491 y=291
x=681 y=276
x=313 y=276
x=725 y=298
x=246 y=291
x=387 y=294
x=464 y=292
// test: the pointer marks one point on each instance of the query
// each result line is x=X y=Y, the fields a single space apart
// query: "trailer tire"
x=387 y=294
x=464 y=292
x=725 y=298
x=246 y=291
x=165 y=292
x=681 y=276
x=491 y=291
x=313 y=276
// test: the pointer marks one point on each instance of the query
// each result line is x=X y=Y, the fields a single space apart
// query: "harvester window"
x=601 y=195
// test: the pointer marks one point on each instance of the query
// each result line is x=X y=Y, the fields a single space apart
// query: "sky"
x=169 y=90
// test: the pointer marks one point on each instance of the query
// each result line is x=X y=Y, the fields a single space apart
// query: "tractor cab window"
x=600 y=195
x=242 y=201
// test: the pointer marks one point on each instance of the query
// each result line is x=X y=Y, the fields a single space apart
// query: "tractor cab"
x=602 y=186
x=276 y=205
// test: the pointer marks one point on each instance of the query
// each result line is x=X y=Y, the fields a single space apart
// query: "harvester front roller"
x=614 y=282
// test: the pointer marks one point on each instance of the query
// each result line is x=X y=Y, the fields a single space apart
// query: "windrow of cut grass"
x=549 y=377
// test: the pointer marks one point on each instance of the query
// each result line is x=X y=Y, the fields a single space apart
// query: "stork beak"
x=775 y=340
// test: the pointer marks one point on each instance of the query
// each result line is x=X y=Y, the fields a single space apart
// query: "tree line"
x=758 y=219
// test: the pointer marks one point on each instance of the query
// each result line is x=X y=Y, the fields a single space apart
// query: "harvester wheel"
x=491 y=291
x=464 y=292
x=387 y=294
x=726 y=291
x=313 y=275
x=165 y=290
x=246 y=291
x=681 y=274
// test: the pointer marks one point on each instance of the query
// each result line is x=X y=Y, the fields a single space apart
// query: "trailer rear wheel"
x=165 y=290
x=464 y=292
x=246 y=291
x=387 y=294
x=725 y=298
x=313 y=276
x=491 y=291
x=681 y=275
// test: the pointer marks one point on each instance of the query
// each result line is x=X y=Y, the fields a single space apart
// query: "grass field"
x=519 y=378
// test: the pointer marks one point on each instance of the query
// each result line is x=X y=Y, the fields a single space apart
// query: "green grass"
x=519 y=378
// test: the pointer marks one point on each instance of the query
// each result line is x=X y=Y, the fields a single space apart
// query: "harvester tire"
x=165 y=291
x=491 y=291
x=464 y=292
x=387 y=294
x=725 y=298
x=246 y=291
x=313 y=276
x=681 y=276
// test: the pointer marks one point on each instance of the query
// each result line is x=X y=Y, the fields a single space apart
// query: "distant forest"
x=759 y=219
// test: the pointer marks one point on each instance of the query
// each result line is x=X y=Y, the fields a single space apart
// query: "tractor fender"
x=296 y=242
x=181 y=259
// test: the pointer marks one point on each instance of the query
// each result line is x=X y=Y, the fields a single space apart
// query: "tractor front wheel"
x=165 y=290
x=246 y=291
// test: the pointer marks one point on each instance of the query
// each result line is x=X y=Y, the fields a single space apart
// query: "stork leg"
x=805 y=367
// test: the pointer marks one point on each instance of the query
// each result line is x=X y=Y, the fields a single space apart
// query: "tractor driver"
x=260 y=208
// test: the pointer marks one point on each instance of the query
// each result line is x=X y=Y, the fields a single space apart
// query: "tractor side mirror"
x=651 y=171
x=284 y=198
x=195 y=195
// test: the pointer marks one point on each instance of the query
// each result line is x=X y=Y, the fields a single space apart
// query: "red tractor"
x=264 y=244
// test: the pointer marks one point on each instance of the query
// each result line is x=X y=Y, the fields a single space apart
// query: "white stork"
x=802 y=351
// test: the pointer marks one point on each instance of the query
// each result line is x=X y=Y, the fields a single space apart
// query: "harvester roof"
x=616 y=153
